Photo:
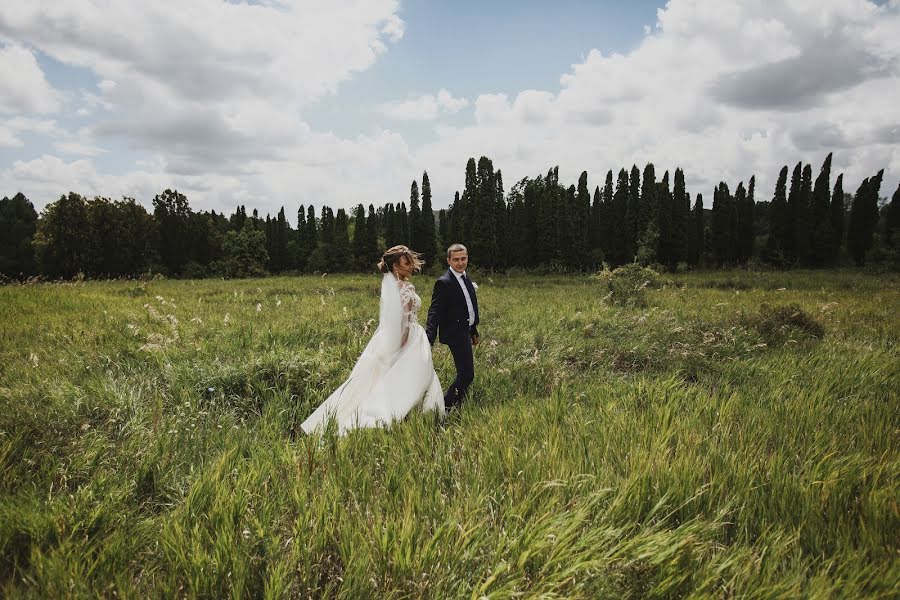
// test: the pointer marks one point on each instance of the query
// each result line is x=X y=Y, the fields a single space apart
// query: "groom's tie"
x=472 y=297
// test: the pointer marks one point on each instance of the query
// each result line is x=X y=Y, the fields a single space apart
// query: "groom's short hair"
x=456 y=248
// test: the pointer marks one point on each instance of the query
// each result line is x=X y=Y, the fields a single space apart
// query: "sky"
x=281 y=102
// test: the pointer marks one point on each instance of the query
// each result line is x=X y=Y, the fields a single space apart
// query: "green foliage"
x=626 y=285
x=18 y=223
x=172 y=213
x=63 y=236
x=778 y=245
x=821 y=233
x=415 y=218
x=838 y=216
x=244 y=254
x=429 y=243
x=482 y=241
x=864 y=218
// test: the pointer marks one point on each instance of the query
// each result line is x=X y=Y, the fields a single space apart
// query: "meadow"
x=723 y=435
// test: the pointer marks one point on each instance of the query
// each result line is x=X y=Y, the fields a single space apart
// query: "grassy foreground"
x=696 y=447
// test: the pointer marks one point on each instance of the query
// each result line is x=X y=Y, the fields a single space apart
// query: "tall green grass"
x=701 y=446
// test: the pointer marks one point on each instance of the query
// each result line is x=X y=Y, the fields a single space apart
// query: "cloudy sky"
x=280 y=102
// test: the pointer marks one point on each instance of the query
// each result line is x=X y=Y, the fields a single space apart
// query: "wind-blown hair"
x=392 y=255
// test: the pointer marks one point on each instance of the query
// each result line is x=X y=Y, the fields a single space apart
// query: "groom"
x=453 y=315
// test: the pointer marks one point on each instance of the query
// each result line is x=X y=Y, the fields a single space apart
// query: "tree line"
x=635 y=216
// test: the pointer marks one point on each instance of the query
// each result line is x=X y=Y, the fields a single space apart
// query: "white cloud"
x=78 y=149
x=424 y=108
x=209 y=97
x=23 y=87
x=12 y=128
x=211 y=85
x=725 y=90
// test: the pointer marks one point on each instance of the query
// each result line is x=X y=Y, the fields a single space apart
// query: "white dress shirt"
x=465 y=291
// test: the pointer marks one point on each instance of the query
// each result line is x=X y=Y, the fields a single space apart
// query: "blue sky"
x=289 y=102
x=473 y=47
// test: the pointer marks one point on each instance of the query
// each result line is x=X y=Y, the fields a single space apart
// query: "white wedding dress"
x=393 y=375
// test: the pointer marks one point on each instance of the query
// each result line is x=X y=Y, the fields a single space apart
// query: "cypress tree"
x=390 y=227
x=566 y=230
x=545 y=222
x=801 y=215
x=681 y=209
x=238 y=218
x=735 y=224
x=582 y=214
x=312 y=233
x=429 y=235
x=623 y=212
x=821 y=239
x=530 y=202
x=500 y=222
x=468 y=201
x=690 y=234
x=402 y=220
x=747 y=220
x=699 y=227
x=632 y=214
x=326 y=226
x=455 y=219
x=342 y=251
x=443 y=228
x=596 y=225
x=371 y=251
x=517 y=223
x=665 y=203
x=837 y=217
x=795 y=212
x=864 y=218
x=282 y=236
x=360 y=237
x=269 y=231
x=648 y=207
x=721 y=224
x=892 y=221
x=301 y=246
x=415 y=219
x=483 y=236
x=609 y=219
x=778 y=244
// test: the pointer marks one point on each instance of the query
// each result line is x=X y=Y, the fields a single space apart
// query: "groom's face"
x=458 y=261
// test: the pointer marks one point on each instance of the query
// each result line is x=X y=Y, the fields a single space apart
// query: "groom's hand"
x=474 y=339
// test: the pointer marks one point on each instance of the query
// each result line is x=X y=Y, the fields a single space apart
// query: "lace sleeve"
x=407 y=298
x=407 y=302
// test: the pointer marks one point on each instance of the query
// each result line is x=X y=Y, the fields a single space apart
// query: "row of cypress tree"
x=539 y=223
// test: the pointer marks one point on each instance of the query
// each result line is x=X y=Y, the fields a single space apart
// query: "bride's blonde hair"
x=392 y=255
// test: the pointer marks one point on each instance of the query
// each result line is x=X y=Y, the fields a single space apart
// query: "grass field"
x=702 y=445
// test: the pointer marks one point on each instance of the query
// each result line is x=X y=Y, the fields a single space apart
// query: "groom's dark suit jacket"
x=448 y=315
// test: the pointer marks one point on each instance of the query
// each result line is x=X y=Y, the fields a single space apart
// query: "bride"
x=394 y=374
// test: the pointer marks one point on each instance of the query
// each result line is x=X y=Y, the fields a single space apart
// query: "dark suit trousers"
x=461 y=349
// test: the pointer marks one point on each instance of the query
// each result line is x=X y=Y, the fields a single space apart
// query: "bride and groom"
x=394 y=373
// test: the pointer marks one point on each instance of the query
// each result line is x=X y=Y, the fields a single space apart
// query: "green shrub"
x=627 y=285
